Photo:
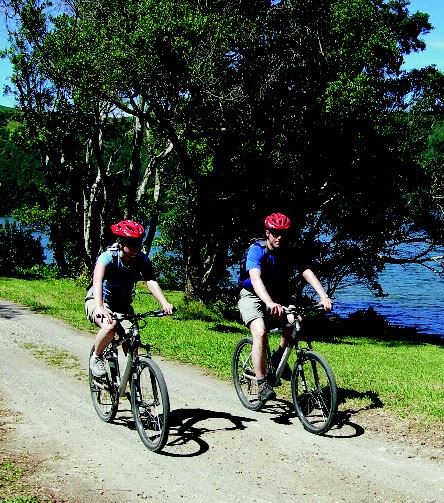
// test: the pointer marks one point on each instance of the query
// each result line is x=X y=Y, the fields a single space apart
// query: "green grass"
x=57 y=358
x=402 y=377
x=13 y=488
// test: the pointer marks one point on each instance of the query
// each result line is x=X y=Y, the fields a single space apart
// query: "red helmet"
x=277 y=222
x=128 y=229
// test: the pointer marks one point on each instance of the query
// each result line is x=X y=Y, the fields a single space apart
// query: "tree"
x=20 y=250
x=298 y=106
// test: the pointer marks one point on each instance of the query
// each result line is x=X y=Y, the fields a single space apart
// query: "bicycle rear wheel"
x=243 y=375
x=150 y=403
x=314 y=392
x=104 y=390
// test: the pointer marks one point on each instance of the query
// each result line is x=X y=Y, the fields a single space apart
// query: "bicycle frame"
x=293 y=342
x=123 y=335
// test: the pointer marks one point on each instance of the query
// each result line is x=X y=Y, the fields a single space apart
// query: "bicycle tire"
x=314 y=392
x=104 y=391
x=244 y=378
x=150 y=403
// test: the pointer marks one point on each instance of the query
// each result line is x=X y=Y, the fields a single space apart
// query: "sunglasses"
x=277 y=234
x=132 y=243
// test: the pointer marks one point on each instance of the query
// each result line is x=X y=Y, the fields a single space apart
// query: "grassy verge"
x=15 y=469
x=402 y=377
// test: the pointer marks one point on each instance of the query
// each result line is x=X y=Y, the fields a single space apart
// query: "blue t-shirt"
x=274 y=268
x=120 y=278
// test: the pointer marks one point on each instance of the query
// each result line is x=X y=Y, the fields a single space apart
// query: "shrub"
x=19 y=250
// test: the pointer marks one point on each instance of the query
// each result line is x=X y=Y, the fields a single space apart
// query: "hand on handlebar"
x=275 y=309
x=104 y=314
x=167 y=308
x=326 y=303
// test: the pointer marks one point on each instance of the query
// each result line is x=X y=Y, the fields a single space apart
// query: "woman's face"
x=131 y=247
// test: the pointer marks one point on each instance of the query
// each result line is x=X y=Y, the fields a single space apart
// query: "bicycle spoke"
x=314 y=392
x=104 y=392
x=150 y=403
x=244 y=377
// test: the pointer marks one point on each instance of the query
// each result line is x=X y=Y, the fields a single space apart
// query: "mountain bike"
x=148 y=391
x=313 y=384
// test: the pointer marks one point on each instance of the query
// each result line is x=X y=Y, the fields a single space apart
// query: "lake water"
x=415 y=296
x=415 y=299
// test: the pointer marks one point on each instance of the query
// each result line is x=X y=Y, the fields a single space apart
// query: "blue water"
x=415 y=299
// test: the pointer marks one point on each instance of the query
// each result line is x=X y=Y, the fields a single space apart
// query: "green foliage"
x=20 y=251
x=38 y=272
x=169 y=270
x=21 y=499
x=433 y=162
x=20 y=170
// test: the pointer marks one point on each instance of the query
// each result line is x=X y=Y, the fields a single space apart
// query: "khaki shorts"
x=91 y=309
x=250 y=306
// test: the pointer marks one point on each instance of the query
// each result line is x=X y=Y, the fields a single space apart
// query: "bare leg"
x=259 y=334
x=286 y=334
x=104 y=335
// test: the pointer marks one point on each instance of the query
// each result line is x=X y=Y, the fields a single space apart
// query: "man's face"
x=276 y=238
x=131 y=247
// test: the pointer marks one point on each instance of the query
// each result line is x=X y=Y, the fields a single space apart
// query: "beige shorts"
x=91 y=309
x=250 y=306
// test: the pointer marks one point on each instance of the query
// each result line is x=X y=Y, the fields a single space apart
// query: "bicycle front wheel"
x=314 y=392
x=244 y=377
x=150 y=403
x=104 y=390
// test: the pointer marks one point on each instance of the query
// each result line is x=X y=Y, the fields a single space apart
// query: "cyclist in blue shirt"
x=116 y=273
x=264 y=282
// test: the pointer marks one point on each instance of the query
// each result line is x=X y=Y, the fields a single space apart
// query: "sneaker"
x=97 y=366
x=275 y=360
x=265 y=392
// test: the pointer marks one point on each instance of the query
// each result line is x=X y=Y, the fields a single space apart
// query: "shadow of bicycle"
x=344 y=426
x=188 y=427
x=281 y=411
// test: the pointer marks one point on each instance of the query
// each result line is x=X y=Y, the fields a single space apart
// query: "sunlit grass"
x=57 y=358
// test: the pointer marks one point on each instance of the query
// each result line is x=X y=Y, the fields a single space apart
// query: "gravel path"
x=217 y=451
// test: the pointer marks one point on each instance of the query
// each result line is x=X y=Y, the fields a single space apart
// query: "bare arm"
x=313 y=281
x=260 y=290
x=154 y=288
x=99 y=274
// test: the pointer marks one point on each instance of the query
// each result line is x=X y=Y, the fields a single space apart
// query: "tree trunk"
x=135 y=168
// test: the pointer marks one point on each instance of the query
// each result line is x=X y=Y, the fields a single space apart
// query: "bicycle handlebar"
x=292 y=309
x=158 y=313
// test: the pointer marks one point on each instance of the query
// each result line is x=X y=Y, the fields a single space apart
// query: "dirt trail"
x=218 y=451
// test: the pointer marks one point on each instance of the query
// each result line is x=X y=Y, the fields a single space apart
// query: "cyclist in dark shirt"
x=264 y=291
x=116 y=272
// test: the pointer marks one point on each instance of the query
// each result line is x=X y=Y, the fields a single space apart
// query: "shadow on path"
x=188 y=426
x=282 y=412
